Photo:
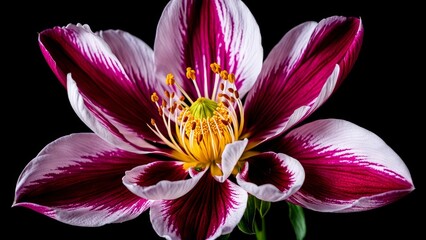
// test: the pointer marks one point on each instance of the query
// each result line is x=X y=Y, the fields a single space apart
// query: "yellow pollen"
x=198 y=131
x=205 y=123
x=231 y=78
x=154 y=97
x=190 y=73
x=224 y=74
x=215 y=67
x=170 y=79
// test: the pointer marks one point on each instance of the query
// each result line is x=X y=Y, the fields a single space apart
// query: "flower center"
x=203 y=108
x=199 y=130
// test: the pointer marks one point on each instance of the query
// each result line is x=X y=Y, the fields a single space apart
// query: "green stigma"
x=203 y=108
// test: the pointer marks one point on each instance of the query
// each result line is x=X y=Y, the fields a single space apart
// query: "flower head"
x=192 y=127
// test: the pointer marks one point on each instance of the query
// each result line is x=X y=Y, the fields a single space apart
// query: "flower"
x=191 y=128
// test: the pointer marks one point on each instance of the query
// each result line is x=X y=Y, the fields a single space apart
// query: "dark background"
x=382 y=94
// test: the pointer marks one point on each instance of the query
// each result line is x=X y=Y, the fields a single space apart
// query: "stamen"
x=215 y=67
x=170 y=79
x=203 y=127
x=154 y=97
x=236 y=94
x=231 y=78
x=224 y=74
x=190 y=73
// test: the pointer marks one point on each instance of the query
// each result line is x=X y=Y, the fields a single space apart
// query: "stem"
x=260 y=233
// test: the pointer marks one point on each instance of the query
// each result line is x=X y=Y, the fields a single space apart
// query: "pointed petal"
x=102 y=125
x=209 y=210
x=347 y=168
x=113 y=71
x=162 y=180
x=77 y=180
x=230 y=156
x=301 y=71
x=271 y=176
x=195 y=34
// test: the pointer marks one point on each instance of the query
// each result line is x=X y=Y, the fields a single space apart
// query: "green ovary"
x=203 y=108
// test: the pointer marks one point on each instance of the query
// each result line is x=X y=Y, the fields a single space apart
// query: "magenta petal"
x=113 y=71
x=77 y=180
x=347 y=168
x=209 y=210
x=161 y=180
x=310 y=58
x=105 y=127
x=271 y=176
x=198 y=33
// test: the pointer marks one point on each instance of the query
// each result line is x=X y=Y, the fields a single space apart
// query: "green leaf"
x=297 y=219
x=247 y=223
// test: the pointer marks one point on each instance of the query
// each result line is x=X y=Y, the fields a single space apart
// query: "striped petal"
x=301 y=72
x=271 y=176
x=162 y=180
x=77 y=180
x=347 y=168
x=197 y=33
x=103 y=125
x=209 y=210
x=113 y=71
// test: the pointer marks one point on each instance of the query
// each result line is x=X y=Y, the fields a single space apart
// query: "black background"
x=382 y=94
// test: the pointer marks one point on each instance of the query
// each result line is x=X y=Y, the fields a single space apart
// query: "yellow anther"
x=190 y=73
x=215 y=67
x=170 y=79
x=231 y=78
x=224 y=74
x=198 y=130
x=154 y=97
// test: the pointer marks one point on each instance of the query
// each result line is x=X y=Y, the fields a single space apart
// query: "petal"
x=271 y=176
x=347 y=168
x=230 y=156
x=162 y=180
x=113 y=71
x=102 y=125
x=77 y=180
x=195 y=34
x=209 y=210
x=301 y=71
